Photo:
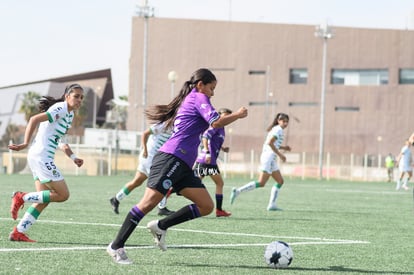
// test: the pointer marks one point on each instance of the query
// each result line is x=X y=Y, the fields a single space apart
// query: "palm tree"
x=30 y=104
x=12 y=133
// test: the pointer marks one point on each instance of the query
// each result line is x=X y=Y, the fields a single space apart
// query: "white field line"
x=73 y=248
x=368 y=192
x=311 y=240
x=205 y=232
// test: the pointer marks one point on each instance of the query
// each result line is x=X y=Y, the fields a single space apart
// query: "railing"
x=110 y=161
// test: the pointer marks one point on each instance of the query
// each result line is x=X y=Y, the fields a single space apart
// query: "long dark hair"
x=279 y=116
x=46 y=101
x=167 y=113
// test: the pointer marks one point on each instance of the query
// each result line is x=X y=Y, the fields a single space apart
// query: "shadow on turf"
x=338 y=269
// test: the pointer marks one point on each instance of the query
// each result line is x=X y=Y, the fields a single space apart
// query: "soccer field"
x=333 y=227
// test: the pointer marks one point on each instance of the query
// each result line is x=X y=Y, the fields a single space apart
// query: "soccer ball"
x=278 y=254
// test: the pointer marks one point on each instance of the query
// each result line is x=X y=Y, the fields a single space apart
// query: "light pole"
x=323 y=31
x=145 y=12
x=172 y=77
x=267 y=95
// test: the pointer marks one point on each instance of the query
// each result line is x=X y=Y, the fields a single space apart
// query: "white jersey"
x=268 y=162
x=159 y=135
x=51 y=132
x=404 y=164
x=277 y=133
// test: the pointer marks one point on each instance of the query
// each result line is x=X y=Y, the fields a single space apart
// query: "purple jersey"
x=194 y=116
x=215 y=138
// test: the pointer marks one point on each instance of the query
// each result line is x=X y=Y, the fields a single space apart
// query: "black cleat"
x=165 y=212
x=115 y=204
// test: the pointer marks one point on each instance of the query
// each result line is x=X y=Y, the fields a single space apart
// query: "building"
x=272 y=68
x=98 y=91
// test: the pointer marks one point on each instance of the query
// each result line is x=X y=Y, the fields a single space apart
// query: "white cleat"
x=158 y=234
x=119 y=255
x=273 y=208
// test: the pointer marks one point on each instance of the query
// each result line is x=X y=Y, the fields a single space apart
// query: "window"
x=406 y=76
x=298 y=76
x=358 y=77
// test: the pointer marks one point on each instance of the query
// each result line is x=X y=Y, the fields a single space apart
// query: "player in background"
x=191 y=113
x=53 y=122
x=268 y=162
x=152 y=139
x=404 y=160
x=389 y=165
x=206 y=163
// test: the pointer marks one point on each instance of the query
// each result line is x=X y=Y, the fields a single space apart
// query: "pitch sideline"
x=309 y=240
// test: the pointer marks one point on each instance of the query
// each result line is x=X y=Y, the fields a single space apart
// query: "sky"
x=44 y=39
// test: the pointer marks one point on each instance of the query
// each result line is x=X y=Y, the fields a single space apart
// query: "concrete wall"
x=231 y=49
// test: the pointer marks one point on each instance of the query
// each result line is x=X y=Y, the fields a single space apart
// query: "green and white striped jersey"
x=52 y=131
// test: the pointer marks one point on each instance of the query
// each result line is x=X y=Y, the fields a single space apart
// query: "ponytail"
x=46 y=101
x=279 y=116
x=167 y=113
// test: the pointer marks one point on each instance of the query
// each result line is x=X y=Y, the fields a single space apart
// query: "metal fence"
x=109 y=160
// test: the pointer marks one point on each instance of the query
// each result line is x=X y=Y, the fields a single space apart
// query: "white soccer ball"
x=278 y=254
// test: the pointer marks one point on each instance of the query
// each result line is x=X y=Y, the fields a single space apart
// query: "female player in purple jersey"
x=190 y=113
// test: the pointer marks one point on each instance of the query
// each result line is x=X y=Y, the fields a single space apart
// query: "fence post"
x=101 y=162
x=10 y=169
x=328 y=166
x=77 y=153
x=251 y=164
x=109 y=159
x=225 y=165
x=303 y=165
x=351 y=168
x=365 y=166
x=379 y=161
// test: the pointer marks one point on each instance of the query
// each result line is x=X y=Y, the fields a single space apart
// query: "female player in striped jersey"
x=404 y=160
x=268 y=162
x=152 y=139
x=53 y=122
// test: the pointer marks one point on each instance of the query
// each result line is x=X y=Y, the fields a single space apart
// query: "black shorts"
x=203 y=169
x=169 y=171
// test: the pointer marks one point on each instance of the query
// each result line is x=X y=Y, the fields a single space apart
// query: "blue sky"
x=51 y=38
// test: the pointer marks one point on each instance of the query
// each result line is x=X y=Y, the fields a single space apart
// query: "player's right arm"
x=34 y=121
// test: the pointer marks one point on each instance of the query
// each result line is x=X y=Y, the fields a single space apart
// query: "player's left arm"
x=286 y=148
x=68 y=152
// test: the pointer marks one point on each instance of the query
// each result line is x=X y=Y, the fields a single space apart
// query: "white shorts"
x=44 y=169
x=144 y=164
x=268 y=163
x=404 y=167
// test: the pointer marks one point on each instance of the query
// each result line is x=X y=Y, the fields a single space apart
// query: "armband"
x=73 y=156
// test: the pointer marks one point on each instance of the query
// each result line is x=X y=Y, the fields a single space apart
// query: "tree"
x=30 y=104
x=13 y=132
x=119 y=113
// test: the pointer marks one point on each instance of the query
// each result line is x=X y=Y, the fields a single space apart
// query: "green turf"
x=334 y=227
